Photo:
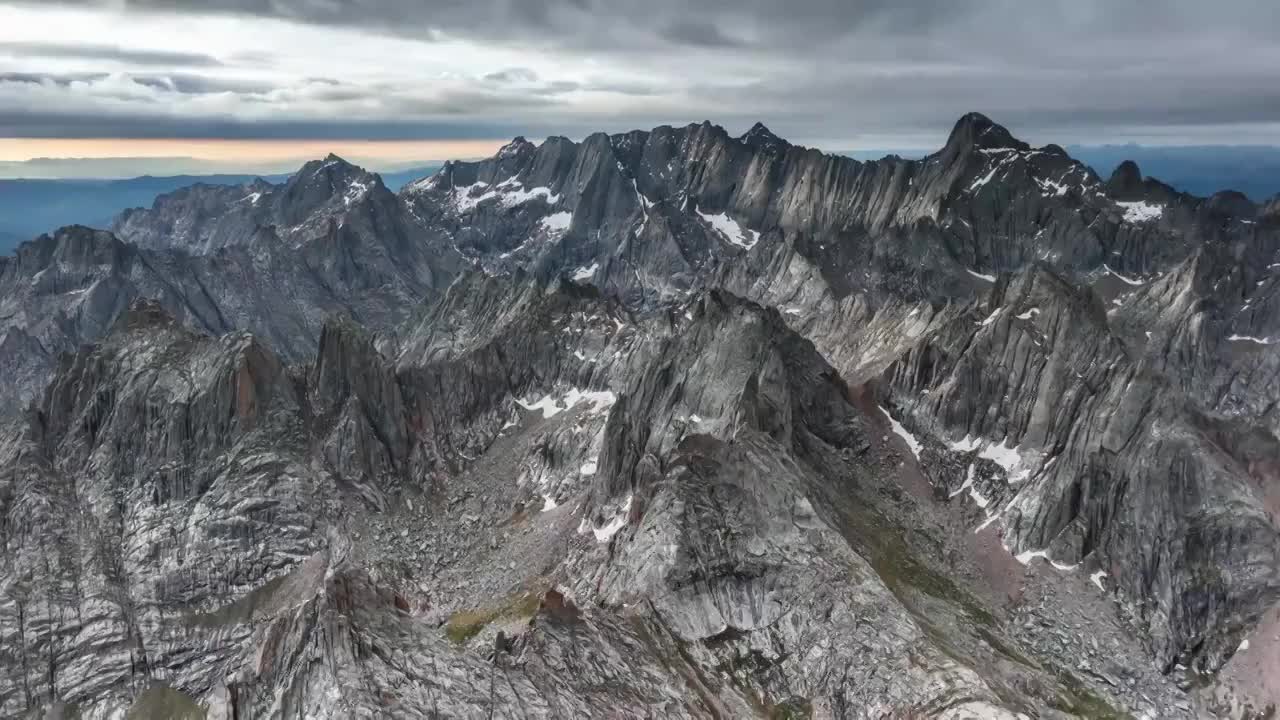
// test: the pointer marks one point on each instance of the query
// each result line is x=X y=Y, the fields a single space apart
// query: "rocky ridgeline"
x=665 y=421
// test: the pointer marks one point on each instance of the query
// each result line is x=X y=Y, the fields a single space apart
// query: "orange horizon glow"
x=244 y=151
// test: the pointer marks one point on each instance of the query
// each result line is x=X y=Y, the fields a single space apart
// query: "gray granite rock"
x=716 y=427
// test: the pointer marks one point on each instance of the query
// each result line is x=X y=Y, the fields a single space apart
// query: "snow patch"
x=514 y=193
x=1009 y=458
x=992 y=317
x=731 y=230
x=1027 y=315
x=1053 y=187
x=464 y=197
x=968 y=482
x=978 y=499
x=1122 y=278
x=1026 y=557
x=901 y=432
x=355 y=192
x=514 y=250
x=1252 y=339
x=987 y=523
x=509 y=192
x=981 y=276
x=1139 y=211
x=606 y=532
x=1096 y=579
x=426 y=183
x=644 y=208
x=586 y=273
x=556 y=222
x=986 y=178
x=600 y=400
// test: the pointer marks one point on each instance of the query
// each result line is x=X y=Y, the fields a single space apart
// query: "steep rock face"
x=161 y=477
x=725 y=454
x=200 y=217
x=331 y=240
x=332 y=225
x=65 y=289
x=1210 y=325
x=357 y=406
x=184 y=528
x=884 y=232
x=1106 y=467
x=204 y=218
x=650 y=214
x=1125 y=182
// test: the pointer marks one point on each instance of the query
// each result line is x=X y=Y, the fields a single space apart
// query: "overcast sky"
x=838 y=74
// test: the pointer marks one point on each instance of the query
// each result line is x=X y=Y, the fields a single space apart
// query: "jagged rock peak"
x=322 y=181
x=74 y=244
x=1232 y=203
x=1055 y=149
x=978 y=132
x=345 y=347
x=144 y=313
x=1126 y=178
x=332 y=167
x=332 y=160
x=71 y=233
x=518 y=146
x=760 y=136
x=342 y=338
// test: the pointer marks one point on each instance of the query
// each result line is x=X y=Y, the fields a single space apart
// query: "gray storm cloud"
x=821 y=70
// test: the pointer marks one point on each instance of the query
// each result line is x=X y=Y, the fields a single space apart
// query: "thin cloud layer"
x=108 y=53
x=825 y=72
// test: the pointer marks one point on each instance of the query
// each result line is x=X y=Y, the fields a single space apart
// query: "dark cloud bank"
x=1085 y=71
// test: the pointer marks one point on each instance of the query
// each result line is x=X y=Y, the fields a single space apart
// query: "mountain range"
x=666 y=423
x=29 y=207
x=1253 y=170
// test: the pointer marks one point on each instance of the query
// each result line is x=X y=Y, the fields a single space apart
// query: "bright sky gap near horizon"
x=261 y=84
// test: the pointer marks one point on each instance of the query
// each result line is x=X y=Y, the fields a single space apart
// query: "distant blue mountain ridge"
x=1197 y=169
x=29 y=208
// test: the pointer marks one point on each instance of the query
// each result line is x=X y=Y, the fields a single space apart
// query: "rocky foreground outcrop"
x=692 y=513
